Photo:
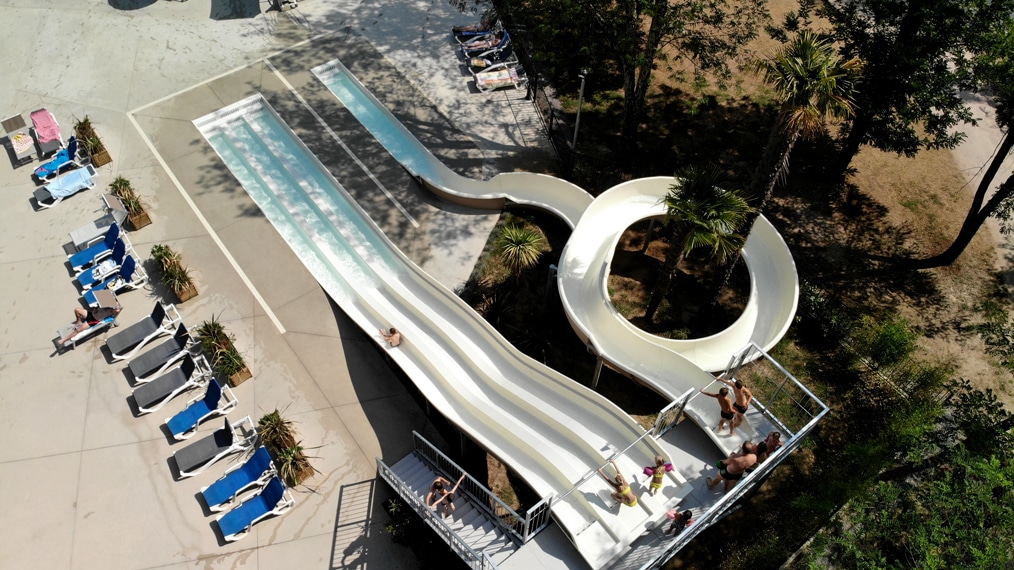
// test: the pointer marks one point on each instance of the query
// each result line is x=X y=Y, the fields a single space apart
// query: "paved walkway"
x=85 y=484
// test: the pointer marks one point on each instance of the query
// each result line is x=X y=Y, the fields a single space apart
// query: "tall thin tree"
x=814 y=85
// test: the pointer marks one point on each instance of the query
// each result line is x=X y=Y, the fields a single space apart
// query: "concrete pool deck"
x=85 y=483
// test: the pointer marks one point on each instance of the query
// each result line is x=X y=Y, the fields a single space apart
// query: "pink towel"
x=46 y=126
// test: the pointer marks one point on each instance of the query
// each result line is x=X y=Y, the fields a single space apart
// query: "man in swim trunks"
x=743 y=398
x=734 y=467
x=84 y=318
x=727 y=411
x=621 y=489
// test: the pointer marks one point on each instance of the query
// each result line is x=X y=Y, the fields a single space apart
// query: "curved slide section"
x=549 y=429
x=673 y=366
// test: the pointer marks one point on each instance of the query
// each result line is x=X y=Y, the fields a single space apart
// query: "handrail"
x=525 y=533
x=475 y=560
x=745 y=486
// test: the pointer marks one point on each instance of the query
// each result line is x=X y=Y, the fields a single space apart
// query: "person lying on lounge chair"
x=86 y=318
x=483 y=42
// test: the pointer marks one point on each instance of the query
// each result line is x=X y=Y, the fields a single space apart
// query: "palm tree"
x=698 y=214
x=519 y=248
x=814 y=86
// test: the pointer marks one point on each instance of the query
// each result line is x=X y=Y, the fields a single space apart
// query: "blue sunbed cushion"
x=240 y=518
x=87 y=255
x=226 y=488
x=194 y=413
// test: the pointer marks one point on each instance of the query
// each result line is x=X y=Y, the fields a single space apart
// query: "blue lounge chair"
x=128 y=342
x=205 y=452
x=67 y=185
x=216 y=401
x=272 y=500
x=64 y=158
x=254 y=472
x=157 y=360
x=97 y=273
x=129 y=277
x=152 y=395
x=89 y=255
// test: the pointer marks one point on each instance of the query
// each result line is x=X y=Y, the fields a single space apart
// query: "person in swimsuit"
x=680 y=521
x=732 y=469
x=439 y=494
x=621 y=489
x=725 y=403
x=87 y=318
x=657 y=474
x=773 y=441
x=392 y=336
x=743 y=398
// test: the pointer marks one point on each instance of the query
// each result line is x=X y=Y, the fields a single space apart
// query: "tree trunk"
x=673 y=257
x=773 y=167
x=977 y=214
x=640 y=76
x=860 y=125
x=875 y=91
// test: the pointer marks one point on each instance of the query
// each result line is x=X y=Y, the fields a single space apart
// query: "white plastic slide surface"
x=670 y=365
x=584 y=267
x=549 y=429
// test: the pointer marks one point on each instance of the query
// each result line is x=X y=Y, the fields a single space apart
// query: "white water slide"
x=549 y=429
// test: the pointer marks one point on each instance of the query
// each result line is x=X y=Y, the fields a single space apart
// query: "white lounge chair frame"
x=199 y=378
x=93 y=175
x=283 y=506
x=243 y=437
x=136 y=282
x=243 y=493
x=173 y=360
x=168 y=326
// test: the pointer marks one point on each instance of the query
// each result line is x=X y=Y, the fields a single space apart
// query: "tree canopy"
x=917 y=60
x=635 y=38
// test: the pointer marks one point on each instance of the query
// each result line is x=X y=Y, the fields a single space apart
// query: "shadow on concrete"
x=234 y=9
x=130 y=4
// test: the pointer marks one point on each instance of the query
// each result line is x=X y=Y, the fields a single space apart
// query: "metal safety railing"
x=521 y=528
x=475 y=560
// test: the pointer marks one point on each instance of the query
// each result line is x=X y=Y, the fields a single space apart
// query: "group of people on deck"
x=730 y=469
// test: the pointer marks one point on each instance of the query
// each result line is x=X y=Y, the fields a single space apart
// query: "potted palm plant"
x=89 y=139
x=278 y=434
x=219 y=346
x=174 y=274
x=137 y=215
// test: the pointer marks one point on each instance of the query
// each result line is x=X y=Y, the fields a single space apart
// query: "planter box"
x=101 y=158
x=138 y=221
x=240 y=377
x=186 y=294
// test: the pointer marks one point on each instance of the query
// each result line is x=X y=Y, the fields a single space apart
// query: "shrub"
x=519 y=247
x=219 y=346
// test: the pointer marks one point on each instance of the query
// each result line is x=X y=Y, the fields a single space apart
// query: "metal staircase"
x=470 y=531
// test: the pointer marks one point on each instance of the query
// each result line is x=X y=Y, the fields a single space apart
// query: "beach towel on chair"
x=63 y=158
x=46 y=127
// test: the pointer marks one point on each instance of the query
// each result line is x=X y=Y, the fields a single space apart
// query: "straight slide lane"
x=547 y=428
x=563 y=199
